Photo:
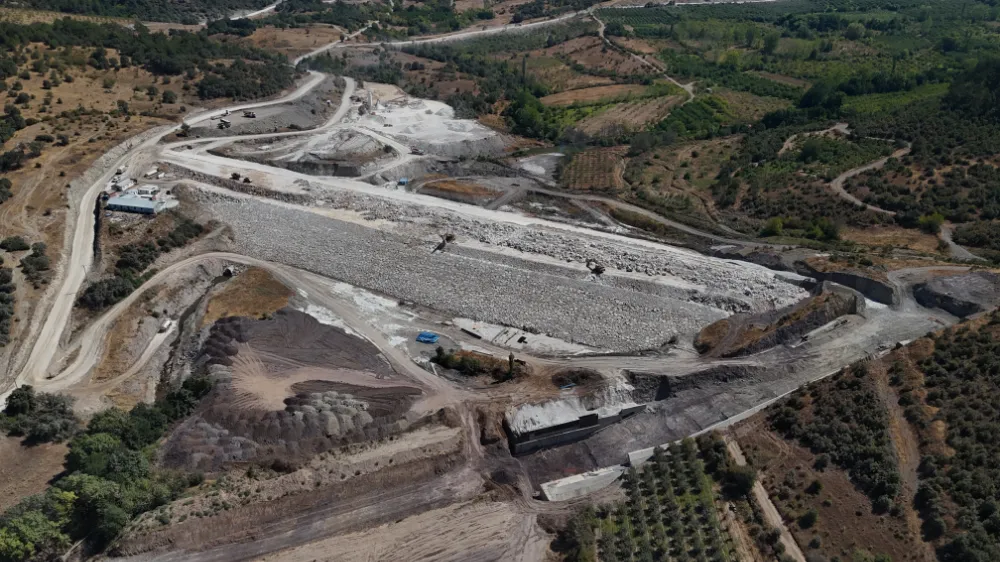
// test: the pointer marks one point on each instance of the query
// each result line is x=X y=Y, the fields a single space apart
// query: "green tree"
x=21 y=401
x=931 y=224
x=771 y=41
x=738 y=481
x=169 y=96
x=854 y=31
x=773 y=227
x=90 y=453
x=808 y=519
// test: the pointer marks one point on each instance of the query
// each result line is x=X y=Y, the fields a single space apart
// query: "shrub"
x=14 y=244
x=808 y=519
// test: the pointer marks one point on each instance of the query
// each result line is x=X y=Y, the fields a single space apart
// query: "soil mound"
x=653 y=388
x=745 y=334
x=961 y=295
x=287 y=387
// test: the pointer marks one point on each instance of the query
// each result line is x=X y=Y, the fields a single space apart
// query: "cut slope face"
x=287 y=388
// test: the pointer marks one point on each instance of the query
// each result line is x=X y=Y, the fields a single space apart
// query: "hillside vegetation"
x=945 y=387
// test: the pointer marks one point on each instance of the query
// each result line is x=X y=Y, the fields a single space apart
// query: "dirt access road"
x=837 y=185
x=688 y=88
x=57 y=304
x=770 y=512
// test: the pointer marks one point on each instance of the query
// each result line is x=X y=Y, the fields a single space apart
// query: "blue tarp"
x=427 y=337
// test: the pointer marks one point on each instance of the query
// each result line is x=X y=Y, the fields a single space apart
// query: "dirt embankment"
x=653 y=388
x=961 y=295
x=874 y=289
x=745 y=334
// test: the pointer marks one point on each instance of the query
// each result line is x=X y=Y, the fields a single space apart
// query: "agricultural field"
x=748 y=107
x=596 y=94
x=672 y=511
x=632 y=116
x=598 y=170
x=589 y=54
x=560 y=76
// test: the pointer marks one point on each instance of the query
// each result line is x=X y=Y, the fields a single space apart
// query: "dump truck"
x=249 y=114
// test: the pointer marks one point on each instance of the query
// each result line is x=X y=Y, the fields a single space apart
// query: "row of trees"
x=669 y=512
x=958 y=493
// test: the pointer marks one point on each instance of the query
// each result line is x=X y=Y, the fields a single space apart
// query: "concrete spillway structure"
x=530 y=428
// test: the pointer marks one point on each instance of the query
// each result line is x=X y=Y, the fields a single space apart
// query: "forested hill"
x=189 y=11
x=179 y=53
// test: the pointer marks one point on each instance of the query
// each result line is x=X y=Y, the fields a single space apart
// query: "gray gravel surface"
x=734 y=286
x=503 y=290
x=307 y=112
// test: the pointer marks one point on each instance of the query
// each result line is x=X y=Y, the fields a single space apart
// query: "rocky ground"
x=307 y=112
x=565 y=301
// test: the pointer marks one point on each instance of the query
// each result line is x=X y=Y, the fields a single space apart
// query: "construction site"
x=348 y=226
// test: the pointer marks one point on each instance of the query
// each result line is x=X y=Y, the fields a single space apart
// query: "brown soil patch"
x=24 y=17
x=25 y=471
x=892 y=236
x=460 y=191
x=595 y=170
x=742 y=334
x=595 y=94
x=846 y=522
x=634 y=115
x=258 y=388
x=253 y=293
x=391 y=494
x=294 y=41
x=493 y=530
x=712 y=335
x=560 y=76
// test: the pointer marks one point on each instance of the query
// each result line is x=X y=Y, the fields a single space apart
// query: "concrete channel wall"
x=580 y=428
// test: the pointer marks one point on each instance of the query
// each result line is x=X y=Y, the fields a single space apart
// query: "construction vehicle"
x=120 y=170
x=225 y=125
x=250 y=114
x=596 y=268
x=416 y=151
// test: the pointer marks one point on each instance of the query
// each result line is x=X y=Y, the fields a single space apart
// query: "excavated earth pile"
x=287 y=388
x=336 y=153
x=961 y=295
x=745 y=334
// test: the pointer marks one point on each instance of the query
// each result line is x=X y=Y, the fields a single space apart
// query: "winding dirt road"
x=837 y=185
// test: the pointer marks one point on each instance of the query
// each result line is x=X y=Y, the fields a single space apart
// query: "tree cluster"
x=844 y=418
x=189 y=12
x=39 y=417
x=132 y=262
x=109 y=476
